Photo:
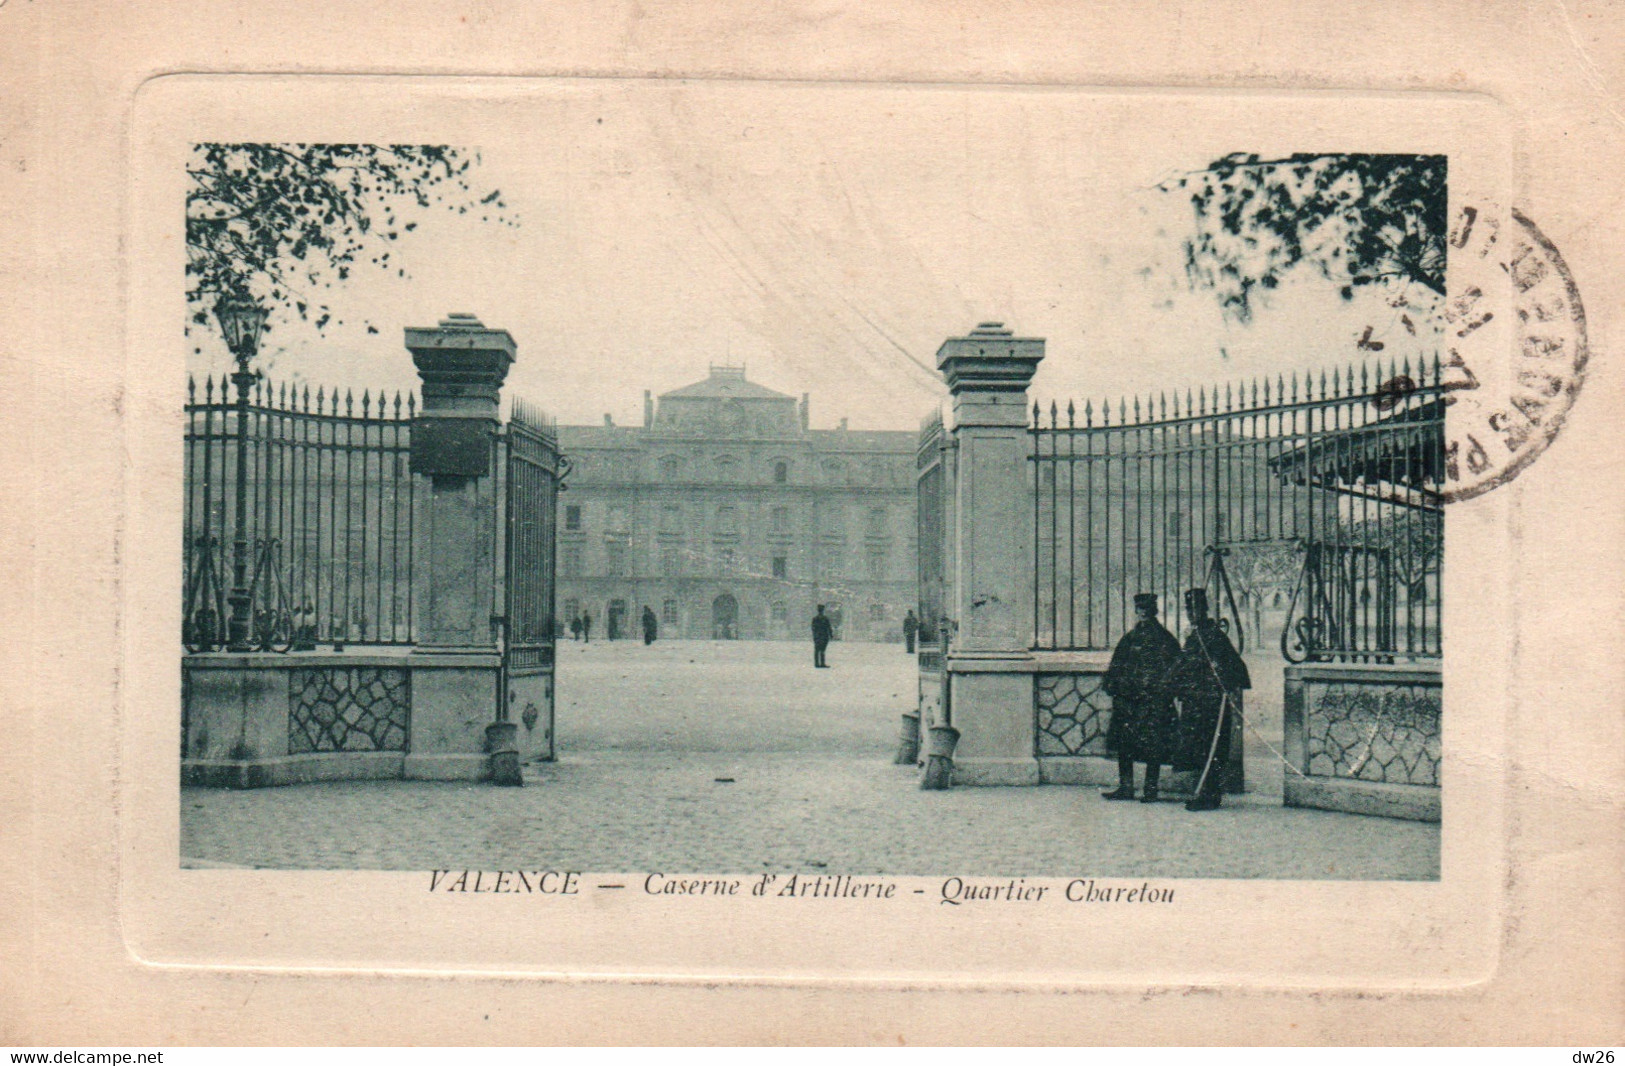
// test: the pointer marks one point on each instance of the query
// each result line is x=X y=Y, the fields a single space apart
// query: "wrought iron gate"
x=933 y=498
x=533 y=472
x=1341 y=476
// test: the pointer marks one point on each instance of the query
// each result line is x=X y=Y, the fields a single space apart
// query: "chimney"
x=608 y=421
x=806 y=403
x=843 y=425
x=648 y=409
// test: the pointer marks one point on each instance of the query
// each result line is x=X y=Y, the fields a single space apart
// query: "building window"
x=781 y=566
x=877 y=564
x=570 y=560
x=877 y=612
x=725 y=468
x=780 y=519
x=833 y=554
x=671 y=468
x=781 y=472
x=572 y=516
x=671 y=561
x=668 y=613
x=725 y=560
x=877 y=522
x=779 y=612
x=671 y=518
x=834 y=471
x=572 y=609
x=615 y=559
x=727 y=519
x=616 y=520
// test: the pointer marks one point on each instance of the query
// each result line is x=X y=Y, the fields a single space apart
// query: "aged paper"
x=821 y=195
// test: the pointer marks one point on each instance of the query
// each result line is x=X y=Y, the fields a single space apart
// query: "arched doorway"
x=725 y=617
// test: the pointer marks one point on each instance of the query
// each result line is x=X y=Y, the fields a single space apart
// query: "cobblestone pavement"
x=698 y=757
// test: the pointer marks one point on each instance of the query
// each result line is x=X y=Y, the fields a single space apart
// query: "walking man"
x=1208 y=681
x=586 y=626
x=1139 y=680
x=821 y=632
x=911 y=627
x=651 y=626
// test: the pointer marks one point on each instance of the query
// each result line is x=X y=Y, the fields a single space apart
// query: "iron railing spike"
x=320 y=397
x=1088 y=413
x=208 y=389
x=349 y=404
x=411 y=404
x=366 y=404
x=191 y=389
x=1071 y=414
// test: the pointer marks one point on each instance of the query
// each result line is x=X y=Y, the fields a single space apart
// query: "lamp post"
x=241 y=320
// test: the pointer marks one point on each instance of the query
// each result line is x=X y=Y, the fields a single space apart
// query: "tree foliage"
x=281 y=223
x=1358 y=220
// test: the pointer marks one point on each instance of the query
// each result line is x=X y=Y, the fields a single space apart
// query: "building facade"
x=731 y=518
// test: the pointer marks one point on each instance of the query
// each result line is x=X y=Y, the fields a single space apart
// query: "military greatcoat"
x=1140 y=682
x=1208 y=668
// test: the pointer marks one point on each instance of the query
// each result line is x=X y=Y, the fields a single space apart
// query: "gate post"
x=990 y=567
x=456 y=663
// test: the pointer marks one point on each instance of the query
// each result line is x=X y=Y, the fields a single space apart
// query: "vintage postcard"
x=865 y=537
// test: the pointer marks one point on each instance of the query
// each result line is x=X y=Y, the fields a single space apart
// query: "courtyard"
x=739 y=757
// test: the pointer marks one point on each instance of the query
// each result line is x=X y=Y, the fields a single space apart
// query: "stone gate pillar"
x=989 y=664
x=456 y=663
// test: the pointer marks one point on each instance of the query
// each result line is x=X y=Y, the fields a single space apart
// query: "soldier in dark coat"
x=1140 y=682
x=651 y=626
x=911 y=626
x=821 y=632
x=1208 y=681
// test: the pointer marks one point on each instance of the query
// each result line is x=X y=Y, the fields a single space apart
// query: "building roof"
x=725 y=382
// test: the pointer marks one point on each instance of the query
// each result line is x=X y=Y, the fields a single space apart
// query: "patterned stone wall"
x=1073 y=712
x=348 y=708
x=1367 y=731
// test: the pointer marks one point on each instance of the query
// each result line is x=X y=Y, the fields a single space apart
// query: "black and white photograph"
x=897 y=524
x=682 y=487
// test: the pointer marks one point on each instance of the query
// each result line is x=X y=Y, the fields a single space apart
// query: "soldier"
x=1140 y=682
x=911 y=626
x=1208 y=682
x=821 y=632
x=651 y=626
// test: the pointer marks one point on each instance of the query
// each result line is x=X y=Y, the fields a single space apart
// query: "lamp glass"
x=241 y=322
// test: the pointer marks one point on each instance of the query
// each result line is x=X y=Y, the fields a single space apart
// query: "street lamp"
x=241 y=320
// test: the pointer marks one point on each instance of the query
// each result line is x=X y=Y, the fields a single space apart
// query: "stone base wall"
x=258 y=719
x=1365 y=739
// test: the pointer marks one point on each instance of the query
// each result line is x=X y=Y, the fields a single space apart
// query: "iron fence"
x=327 y=517
x=1304 y=505
x=534 y=470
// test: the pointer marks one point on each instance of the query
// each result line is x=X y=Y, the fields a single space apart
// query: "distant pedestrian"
x=1208 y=681
x=911 y=628
x=304 y=627
x=651 y=626
x=1139 y=680
x=575 y=627
x=821 y=633
x=586 y=626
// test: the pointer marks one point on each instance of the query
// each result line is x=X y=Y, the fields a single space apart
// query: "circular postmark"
x=1515 y=331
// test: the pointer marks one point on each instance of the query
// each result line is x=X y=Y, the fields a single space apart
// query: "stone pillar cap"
x=989 y=358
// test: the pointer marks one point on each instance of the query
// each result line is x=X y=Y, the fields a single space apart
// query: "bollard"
x=908 y=744
x=501 y=742
x=939 y=762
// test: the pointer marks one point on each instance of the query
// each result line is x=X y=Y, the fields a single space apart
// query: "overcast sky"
x=829 y=238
